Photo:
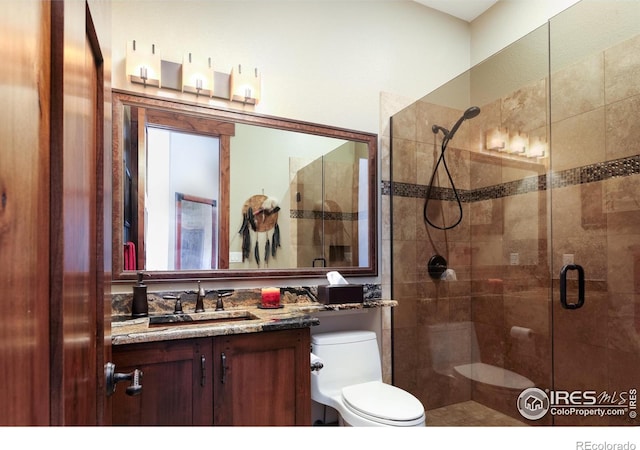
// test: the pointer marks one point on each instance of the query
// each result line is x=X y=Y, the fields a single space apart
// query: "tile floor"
x=469 y=414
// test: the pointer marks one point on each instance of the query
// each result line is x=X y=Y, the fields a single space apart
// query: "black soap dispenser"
x=140 y=305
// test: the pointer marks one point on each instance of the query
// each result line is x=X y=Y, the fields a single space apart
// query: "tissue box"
x=340 y=293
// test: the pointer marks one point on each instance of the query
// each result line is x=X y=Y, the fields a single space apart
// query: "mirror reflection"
x=303 y=190
x=210 y=193
x=182 y=182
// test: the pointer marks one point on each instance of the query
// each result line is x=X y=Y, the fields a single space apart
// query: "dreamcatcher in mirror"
x=260 y=216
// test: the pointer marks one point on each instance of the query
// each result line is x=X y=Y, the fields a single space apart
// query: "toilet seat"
x=383 y=403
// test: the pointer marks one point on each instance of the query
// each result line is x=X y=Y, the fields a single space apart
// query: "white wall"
x=508 y=21
x=323 y=62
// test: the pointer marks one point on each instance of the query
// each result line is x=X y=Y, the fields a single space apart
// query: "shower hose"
x=441 y=160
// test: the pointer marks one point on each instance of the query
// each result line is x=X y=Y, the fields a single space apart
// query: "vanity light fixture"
x=143 y=64
x=193 y=76
x=538 y=148
x=519 y=143
x=245 y=85
x=496 y=139
x=197 y=76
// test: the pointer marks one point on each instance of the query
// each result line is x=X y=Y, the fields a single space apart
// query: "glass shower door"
x=540 y=322
x=595 y=212
x=483 y=331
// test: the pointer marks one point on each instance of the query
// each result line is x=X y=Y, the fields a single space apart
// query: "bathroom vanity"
x=245 y=379
x=241 y=366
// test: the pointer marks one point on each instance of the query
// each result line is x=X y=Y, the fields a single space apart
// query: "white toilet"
x=351 y=383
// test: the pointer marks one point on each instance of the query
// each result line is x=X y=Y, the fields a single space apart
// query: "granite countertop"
x=237 y=319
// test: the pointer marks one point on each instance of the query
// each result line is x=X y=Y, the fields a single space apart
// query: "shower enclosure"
x=537 y=321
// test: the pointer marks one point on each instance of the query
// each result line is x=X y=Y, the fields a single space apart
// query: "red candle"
x=270 y=297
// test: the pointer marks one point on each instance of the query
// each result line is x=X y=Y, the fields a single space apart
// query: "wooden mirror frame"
x=174 y=114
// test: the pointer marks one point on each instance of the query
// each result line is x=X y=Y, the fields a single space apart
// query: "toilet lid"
x=382 y=401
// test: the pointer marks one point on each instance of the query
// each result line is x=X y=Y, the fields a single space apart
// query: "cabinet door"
x=176 y=383
x=262 y=379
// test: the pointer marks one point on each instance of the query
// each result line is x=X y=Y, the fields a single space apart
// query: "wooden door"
x=24 y=213
x=54 y=178
x=77 y=217
x=262 y=379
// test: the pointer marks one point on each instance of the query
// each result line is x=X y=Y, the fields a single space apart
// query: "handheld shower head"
x=470 y=113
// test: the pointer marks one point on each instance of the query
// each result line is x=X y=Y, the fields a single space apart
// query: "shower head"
x=470 y=113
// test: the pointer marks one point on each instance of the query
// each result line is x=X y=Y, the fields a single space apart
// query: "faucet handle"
x=222 y=293
x=219 y=303
x=177 y=309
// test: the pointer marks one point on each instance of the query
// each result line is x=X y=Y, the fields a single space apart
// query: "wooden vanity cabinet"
x=257 y=379
x=176 y=383
x=262 y=379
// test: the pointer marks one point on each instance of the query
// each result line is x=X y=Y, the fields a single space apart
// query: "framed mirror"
x=202 y=192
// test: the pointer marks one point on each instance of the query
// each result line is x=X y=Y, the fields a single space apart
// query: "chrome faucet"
x=200 y=298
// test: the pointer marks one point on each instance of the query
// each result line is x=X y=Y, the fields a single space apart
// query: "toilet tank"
x=349 y=357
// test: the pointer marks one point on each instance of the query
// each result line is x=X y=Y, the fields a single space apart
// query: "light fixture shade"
x=538 y=148
x=143 y=64
x=519 y=143
x=245 y=85
x=496 y=139
x=197 y=75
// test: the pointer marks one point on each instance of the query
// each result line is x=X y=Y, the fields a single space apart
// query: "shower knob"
x=436 y=266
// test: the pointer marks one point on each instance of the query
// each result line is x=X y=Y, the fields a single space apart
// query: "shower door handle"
x=563 y=286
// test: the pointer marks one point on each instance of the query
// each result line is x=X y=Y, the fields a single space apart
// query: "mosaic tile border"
x=307 y=214
x=580 y=175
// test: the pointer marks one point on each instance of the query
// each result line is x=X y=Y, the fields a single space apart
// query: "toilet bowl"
x=351 y=383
